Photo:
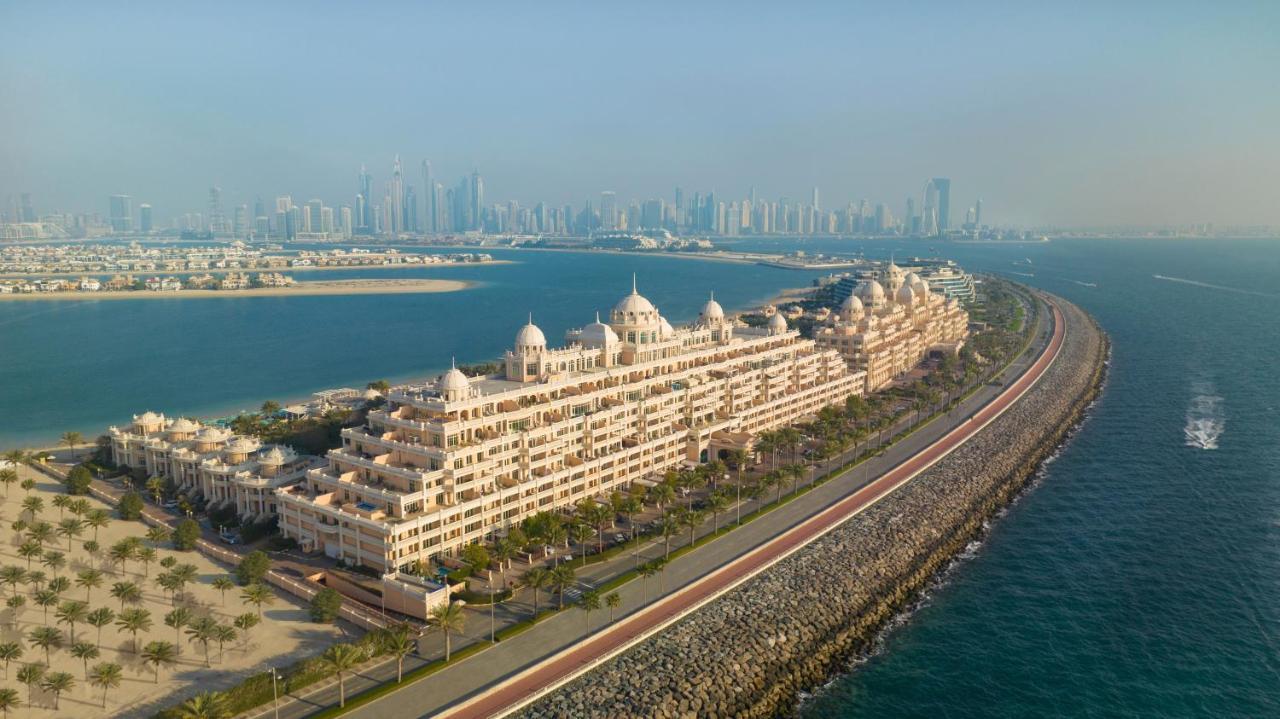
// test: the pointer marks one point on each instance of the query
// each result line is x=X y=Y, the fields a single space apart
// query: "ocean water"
x=84 y=365
x=1140 y=577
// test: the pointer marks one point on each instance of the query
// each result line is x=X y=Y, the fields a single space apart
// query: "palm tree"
x=99 y=618
x=178 y=619
x=504 y=550
x=71 y=529
x=71 y=613
x=662 y=494
x=84 y=651
x=10 y=652
x=71 y=439
x=205 y=705
x=29 y=550
x=36 y=578
x=398 y=642
x=612 y=600
x=222 y=634
x=202 y=630
x=89 y=579
x=146 y=555
x=61 y=501
x=448 y=618
x=47 y=638
x=57 y=683
x=245 y=622
x=645 y=571
x=134 y=621
x=8 y=477
x=258 y=594
x=106 y=675
x=40 y=532
x=342 y=658
x=45 y=598
x=589 y=602
x=158 y=534
x=30 y=674
x=126 y=592
x=13 y=575
x=562 y=578
x=668 y=526
x=184 y=574
x=55 y=561
x=8 y=700
x=156 y=486
x=79 y=507
x=16 y=603
x=222 y=584
x=120 y=554
x=537 y=578
x=158 y=653
x=97 y=518
x=717 y=502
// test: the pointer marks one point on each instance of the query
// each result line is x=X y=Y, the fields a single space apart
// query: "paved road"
x=550 y=673
x=508 y=659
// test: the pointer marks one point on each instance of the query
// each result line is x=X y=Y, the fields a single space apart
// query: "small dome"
x=665 y=329
x=921 y=287
x=712 y=311
x=911 y=278
x=212 y=435
x=531 y=337
x=148 y=418
x=598 y=333
x=243 y=445
x=777 y=323
x=870 y=290
x=184 y=426
x=454 y=381
x=851 y=304
x=276 y=456
x=905 y=295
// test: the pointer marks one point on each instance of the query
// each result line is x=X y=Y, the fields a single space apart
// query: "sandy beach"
x=283 y=270
x=301 y=289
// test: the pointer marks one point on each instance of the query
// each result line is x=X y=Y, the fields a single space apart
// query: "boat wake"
x=1211 y=286
x=1206 y=419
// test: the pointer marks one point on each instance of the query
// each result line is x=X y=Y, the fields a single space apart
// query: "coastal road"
x=726 y=563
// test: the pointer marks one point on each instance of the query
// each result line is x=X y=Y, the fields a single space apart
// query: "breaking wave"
x=1211 y=286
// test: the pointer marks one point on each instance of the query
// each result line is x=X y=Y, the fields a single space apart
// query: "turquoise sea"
x=1139 y=577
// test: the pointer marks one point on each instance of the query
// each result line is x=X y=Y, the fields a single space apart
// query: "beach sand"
x=300 y=289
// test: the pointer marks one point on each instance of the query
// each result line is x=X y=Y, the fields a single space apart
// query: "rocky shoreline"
x=751 y=652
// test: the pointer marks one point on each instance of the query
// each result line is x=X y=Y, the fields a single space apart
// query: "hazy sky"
x=1070 y=114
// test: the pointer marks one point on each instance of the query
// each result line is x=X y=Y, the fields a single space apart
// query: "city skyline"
x=1122 y=128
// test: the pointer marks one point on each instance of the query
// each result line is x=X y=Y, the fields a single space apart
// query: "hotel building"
x=885 y=333
x=452 y=462
x=210 y=462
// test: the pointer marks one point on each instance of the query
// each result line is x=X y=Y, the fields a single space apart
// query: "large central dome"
x=634 y=311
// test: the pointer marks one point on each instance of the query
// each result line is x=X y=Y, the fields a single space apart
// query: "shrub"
x=257 y=530
x=325 y=605
x=186 y=534
x=253 y=567
x=130 y=506
x=79 y=479
x=280 y=543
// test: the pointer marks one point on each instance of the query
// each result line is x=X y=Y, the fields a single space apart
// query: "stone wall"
x=751 y=652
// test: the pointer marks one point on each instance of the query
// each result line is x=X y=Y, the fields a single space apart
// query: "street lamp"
x=275 y=696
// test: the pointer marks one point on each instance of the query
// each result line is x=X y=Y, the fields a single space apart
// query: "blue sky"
x=1088 y=114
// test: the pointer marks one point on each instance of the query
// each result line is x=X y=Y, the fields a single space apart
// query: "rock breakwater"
x=752 y=651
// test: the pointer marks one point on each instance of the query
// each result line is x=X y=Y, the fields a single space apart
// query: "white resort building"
x=210 y=462
x=449 y=463
x=883 y=330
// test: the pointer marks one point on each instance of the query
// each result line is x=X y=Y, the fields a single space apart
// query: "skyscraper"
x=217 y=219
x=396 y=192
x=816 y=205
x=121 y=213
x=28 y=210
x=609 y=210
x=144 y=212
x=477 y=201
x=977 y=213
x=943 y=187
x=364 y=217
x=429 y=199
x=311 y=222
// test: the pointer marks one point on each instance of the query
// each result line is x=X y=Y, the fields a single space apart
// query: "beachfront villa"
x=887 y=325
x=454 y=461
x=227 y=470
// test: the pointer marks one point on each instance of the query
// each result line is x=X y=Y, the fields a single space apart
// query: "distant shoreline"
x=212 y=270
x=302 y=289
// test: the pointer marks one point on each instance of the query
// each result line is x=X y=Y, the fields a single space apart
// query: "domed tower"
x=894 y=277
x=635 y=319
x=871 y=294
x=851 y=309
x=712 y=317
x=530 y=340
x=454 y=386
x=777 y=324
x=905 y=296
